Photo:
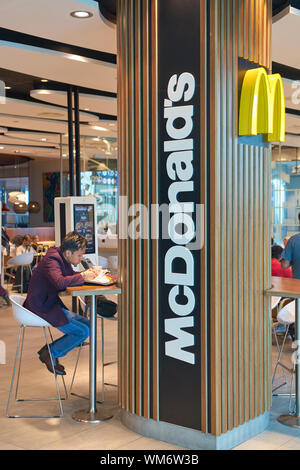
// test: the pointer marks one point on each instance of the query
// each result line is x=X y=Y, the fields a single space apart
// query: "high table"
x=285 y=287
x=92 y=415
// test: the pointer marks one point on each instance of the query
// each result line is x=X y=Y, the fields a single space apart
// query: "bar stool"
x=85 y=308
x=25 y=259
x=286 y=317
x=28 y=319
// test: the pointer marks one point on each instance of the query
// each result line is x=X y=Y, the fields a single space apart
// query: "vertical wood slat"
x=203 y=189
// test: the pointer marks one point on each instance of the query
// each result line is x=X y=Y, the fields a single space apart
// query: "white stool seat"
x=24 y=316
x=24 y=259
x=28 y=319
x=286 y=315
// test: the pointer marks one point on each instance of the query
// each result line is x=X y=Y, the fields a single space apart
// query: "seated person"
x=52 y=276
x=35 y=243
x=277 y=270
x=25 y=247
x=16 y=242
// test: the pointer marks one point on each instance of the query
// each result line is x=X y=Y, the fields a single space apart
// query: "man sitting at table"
x=53 y=275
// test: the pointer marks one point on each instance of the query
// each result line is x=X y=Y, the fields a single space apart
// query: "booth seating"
x=285 y=310
x=28 y=319
x=85 y=308
x=22 y=260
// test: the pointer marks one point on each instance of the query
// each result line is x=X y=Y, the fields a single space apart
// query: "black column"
x=77 y=141
x=70 y=133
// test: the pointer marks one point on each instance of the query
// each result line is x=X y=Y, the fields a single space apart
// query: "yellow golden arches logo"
x=262 y=105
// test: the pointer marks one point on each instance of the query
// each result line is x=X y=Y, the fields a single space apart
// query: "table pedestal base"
x=86 y=416
x=290 y=420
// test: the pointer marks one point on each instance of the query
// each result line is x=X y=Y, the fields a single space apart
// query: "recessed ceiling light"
x=43 y=139
x=86 y=109
x=7 y=88
x=81 y=14
x=44 y=80
x=1 y=148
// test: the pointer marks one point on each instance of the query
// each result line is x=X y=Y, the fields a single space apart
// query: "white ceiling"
x=88 y=102
x=51 y=19
x=59 y=66
x=285 y=38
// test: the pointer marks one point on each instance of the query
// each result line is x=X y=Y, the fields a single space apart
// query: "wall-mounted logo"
x=262 y=106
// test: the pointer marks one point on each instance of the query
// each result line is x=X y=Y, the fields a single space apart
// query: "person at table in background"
x=5 y=245
x=35 y=243
x=52 y=276
x=16 y=242
x=25 y=247
x=285 y=240
x=277 y=270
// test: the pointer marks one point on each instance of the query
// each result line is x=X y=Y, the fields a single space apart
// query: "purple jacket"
x=52 y=275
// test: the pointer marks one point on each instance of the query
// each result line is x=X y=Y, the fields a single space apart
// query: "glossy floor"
x=66 y=433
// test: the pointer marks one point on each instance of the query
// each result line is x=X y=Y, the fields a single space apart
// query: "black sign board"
x=179 y=188
x=84 y=223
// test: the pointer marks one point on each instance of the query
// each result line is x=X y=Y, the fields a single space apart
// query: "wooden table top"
x=284 y=287
x=93 y=290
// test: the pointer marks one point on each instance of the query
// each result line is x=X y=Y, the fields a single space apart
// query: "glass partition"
x=285 y=192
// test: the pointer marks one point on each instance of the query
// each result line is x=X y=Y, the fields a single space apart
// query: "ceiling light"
x=7 y=88
x=43 y=139
x=43 y=92
x=81 y=14
x=1 y=148
x=98 y=128
x=44 y=80
x=79 y=58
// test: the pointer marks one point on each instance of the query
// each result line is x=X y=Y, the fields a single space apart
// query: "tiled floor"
x=66 y=433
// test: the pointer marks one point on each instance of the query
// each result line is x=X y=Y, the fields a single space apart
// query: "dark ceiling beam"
x=22 y=38
x=279 y=5
x=108 y=9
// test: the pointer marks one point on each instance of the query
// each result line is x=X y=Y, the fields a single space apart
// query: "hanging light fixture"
x=34 y=207
x=20 y=207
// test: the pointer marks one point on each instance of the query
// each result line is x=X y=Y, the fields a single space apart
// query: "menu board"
x=84 y=223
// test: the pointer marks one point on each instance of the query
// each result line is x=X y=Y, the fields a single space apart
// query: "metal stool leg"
x=279 y=363
x=20 y=346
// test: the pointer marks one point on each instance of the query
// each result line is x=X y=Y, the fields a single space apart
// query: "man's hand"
x=285 y=264
x=89 y=275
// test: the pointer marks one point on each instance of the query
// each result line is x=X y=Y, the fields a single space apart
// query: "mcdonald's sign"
x=262 y=105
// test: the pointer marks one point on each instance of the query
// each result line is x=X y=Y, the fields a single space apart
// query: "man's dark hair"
x=276 y=251
x=27 y=237
x=73 y=241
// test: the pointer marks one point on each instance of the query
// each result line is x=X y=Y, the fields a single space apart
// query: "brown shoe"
x=45 y=358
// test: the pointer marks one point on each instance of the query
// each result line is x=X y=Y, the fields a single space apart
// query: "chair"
x=25 y=259
x=286 y=317
x=102 y=261
x=113 y=263
x=28 y=319
x=85 y=308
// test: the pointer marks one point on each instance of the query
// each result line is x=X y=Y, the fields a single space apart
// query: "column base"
x=192 y=439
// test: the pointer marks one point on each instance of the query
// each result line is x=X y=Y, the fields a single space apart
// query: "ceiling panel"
x=285 y=37
x=59 y=66
x=95 y=103
x=52 y=20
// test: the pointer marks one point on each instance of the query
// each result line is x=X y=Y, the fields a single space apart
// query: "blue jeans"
x=75 y=333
